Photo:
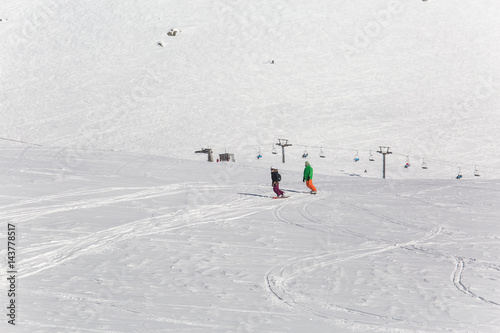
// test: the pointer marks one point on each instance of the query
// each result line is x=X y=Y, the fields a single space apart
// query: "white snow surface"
x=120 y=227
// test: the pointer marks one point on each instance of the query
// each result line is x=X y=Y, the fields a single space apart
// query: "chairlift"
x=371 y=159
x=356 y=157
x=408 y=164
x=321 y=153
x=424 y=166
x=259 y=156
x=274 y=150
x=305 y=154
x=459 y=176
x=476 y=172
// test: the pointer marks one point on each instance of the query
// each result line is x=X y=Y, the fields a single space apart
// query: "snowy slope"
x=122 y=228
x=419 y=77
x=117 y=242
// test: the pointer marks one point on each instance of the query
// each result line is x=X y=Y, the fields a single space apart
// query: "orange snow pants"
x=309 y=184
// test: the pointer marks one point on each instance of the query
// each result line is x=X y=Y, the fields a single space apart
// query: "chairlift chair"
x=459 y=176
x=356 y=157
x=476 y=172
x=321 y=153
x=305 y=154
x=371 y=159
x=274 y=150
x=408 y=164
x=259 y=156
x=424 y=166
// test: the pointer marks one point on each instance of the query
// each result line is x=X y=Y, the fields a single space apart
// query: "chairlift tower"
x=283 y=143
x=384 y=151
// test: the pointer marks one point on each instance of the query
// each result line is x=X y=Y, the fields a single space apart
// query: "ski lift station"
x=226 y=157
x=207 y=151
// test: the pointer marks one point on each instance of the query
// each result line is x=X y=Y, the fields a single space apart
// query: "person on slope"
x=276 y=178
x=308 y=176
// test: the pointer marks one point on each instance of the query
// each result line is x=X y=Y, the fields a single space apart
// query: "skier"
x=308 y=175
x=276 y=178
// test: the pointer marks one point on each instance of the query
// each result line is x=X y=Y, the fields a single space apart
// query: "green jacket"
x=308 y=172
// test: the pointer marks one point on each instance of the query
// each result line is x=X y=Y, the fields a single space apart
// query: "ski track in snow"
x=326 y=261
x=321 y=215
x=279 y=278
x=456 y=278
x=279 y=215
x=85 y=80
x=135 y=309
x=27 y=214
x=105 y=240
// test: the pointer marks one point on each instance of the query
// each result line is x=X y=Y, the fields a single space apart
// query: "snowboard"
x=282 y=197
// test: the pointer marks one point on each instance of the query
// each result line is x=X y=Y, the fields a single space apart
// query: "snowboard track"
x=59 y=252
x=457 y=280
x=280 y=277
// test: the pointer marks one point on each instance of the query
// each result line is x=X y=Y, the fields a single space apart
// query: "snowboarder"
x=276 y=178
x=308 y=175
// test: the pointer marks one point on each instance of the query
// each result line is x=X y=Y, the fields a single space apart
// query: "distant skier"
x=308 y=176
x=276 y=178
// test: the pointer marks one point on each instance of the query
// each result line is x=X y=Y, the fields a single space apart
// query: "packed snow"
x=121 y=227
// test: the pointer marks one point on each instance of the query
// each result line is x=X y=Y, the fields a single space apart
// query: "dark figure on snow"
x=276 y=178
